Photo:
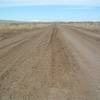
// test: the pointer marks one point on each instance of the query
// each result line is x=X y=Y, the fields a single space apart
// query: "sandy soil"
x=54 y=62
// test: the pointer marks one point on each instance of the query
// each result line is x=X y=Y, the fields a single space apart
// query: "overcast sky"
x=50 y=2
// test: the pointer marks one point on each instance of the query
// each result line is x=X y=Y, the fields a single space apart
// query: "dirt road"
x=57 y=62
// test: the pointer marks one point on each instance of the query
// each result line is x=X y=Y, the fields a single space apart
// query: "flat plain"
x=50 y=61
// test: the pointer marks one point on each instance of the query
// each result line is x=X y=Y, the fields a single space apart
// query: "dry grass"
x=8 y=29
x=87 y=25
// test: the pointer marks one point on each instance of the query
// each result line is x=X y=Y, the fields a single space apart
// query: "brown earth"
x=54 y=62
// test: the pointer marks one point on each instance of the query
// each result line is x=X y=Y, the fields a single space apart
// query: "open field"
x=50 y=61
x=87 y=25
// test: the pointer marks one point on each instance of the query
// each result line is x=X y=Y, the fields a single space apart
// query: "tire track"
x=45 y=65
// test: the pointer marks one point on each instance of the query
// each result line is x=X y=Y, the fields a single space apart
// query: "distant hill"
x=10 y=21
x=7 y=21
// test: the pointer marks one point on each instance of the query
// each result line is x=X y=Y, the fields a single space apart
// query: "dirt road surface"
x=57 y=62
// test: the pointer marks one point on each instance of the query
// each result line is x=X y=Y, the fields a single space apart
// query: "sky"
x=50 y=2
x=50 y=10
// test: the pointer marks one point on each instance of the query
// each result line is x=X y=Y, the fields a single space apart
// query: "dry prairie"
x=50 y=61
